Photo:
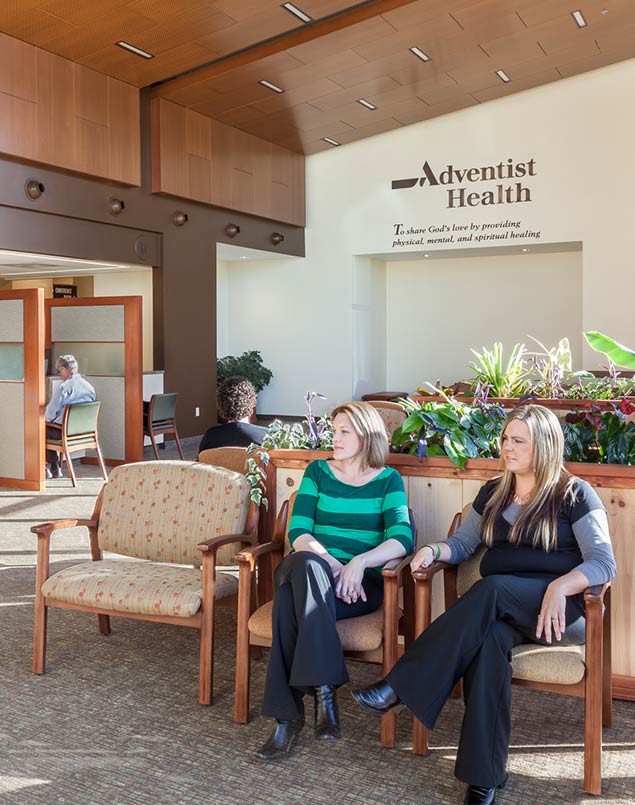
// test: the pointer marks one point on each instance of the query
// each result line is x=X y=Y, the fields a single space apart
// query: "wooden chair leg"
x=593 y=704
x=100 y=459
x=241 y=694
x=423 y=609
x=206 y=669
x=71 y=469
x=104 y=624
x=178 y=445
x=388 y=734
x=39 y=635
x=154 y=445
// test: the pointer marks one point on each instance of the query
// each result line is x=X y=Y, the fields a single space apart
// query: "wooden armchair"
x=78 y=431
x=370 y=638
x=170 y=514
x=583 y=671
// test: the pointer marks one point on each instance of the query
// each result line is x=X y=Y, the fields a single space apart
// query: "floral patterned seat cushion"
x=146 y=588
x=161 y=510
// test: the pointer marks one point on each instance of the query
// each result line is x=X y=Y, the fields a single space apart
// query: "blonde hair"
x=370 y=428
x=553 y=482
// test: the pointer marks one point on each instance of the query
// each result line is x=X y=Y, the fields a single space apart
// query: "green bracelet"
x=436 y=550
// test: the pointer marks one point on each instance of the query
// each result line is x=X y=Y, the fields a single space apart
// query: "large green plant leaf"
x=618 y=353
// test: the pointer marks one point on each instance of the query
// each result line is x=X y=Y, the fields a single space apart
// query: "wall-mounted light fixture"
x=34 y=189
x=277 y=238
x=116 y=206
x=179 y=218
x=232 y=230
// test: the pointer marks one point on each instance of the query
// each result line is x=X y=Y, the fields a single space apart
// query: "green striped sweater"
x=348 y=520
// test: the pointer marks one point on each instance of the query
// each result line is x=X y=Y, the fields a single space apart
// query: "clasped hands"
x=348 y=580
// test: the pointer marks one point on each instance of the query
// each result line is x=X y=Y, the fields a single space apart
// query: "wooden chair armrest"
x=396 y=566
x=426 y=573
x=215 y=543
x=249 y=555
x=596 y=593
x=46 y=529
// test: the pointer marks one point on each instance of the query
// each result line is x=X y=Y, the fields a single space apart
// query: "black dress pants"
x=52 y=456
x=305 y=648
x=473 y=639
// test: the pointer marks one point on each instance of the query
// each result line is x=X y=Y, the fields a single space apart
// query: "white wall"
x=132 y=283
x=429 y=334
x=579 y=131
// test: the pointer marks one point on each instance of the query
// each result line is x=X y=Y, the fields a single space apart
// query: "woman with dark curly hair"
x=236 y=404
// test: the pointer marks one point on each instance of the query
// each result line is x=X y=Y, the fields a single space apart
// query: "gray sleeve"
x=592 y=534
x=465 y=539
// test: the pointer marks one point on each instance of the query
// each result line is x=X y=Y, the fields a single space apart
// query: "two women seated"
x=547 y=540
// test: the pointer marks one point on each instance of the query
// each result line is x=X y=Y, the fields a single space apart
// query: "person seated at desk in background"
x=236 y=403
x=73 y=389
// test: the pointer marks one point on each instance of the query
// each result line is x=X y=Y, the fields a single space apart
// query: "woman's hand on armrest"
x=426 y=556
x=307 y=542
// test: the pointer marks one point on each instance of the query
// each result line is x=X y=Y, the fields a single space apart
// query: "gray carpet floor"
x=115 y=719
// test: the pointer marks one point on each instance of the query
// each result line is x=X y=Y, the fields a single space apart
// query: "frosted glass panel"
x=11 y=320
x=87 y=323
x=111 y=393
x=93 y=359
x=12 y=430
x=11 y=362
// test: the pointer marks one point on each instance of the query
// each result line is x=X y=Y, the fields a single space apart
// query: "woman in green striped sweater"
x=350 y=518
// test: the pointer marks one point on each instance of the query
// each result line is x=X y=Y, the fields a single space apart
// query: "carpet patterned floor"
x=115 y=719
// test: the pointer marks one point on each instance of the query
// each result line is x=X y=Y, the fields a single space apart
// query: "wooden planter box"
x=437 y=489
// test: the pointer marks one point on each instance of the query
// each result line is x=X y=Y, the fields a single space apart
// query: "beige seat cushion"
x=364 y=633
x=147 y=588
x=563 y=665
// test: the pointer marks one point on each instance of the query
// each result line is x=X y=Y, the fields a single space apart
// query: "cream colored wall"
x=578 y=131
x=45 y=283
x=436 y=311
x=223 y=344
x=131 y=283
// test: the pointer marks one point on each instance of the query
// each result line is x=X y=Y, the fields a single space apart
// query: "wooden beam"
x=283 y=42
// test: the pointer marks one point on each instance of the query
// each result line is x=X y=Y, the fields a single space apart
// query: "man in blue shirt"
x=73 y=389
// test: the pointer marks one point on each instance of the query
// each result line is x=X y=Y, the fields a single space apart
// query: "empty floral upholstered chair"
x=172 y=515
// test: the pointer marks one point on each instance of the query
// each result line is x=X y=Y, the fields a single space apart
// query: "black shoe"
x=477 y=795
x=281 y=740
x=56 y=472
x=327 y=726
x=378 y=698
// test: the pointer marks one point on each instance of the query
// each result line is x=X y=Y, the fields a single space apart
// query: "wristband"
x=436 y=550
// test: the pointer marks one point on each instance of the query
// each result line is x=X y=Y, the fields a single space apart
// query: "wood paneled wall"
x=199 y=158
x=59 y=113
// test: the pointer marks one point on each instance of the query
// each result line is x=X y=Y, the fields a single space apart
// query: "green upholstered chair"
x=78 y=432
x=161 y=419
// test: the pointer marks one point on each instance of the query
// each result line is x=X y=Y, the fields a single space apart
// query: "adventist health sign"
x=458 y=182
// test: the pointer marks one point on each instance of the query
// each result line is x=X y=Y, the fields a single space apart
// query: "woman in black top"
x=547 y=540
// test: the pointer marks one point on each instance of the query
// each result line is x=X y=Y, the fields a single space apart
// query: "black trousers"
x=305 y=649
x=473 y=639
x=52 y=456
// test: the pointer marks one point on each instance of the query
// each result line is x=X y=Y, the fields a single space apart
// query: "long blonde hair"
x=553 y=482
x=370 y=428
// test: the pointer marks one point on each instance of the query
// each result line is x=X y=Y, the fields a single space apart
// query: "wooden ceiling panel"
x=420 y=36
x=577 y=66
x=343 y=96
x=312 y=92
x=360 y=118
x=489 y=19
x=79 y=13
x=421 y=13
x=355 y=36
x=177 y=30
x=515 y=47
x=373 y=70
x=528 y=82
x=562 y=34
x=444 y=108
x=254 y=29
x=37 y=27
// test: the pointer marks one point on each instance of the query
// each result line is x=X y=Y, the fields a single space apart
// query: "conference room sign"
x=502 y=188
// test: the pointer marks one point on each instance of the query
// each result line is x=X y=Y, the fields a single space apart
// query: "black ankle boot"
x=281 y=740
x=378 y=698
x=327 y=726
x=478 y=795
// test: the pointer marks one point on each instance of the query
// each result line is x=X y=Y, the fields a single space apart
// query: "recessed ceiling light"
x=579 y=18
x=269 y=85
x=525 y=249
x=426 y=255
x=503 y=76
x=604 y=11
x=243 y=256
x=330 y=141
x=367 y=104
x=297 y=12
x=420 y=54
x=137 y=51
